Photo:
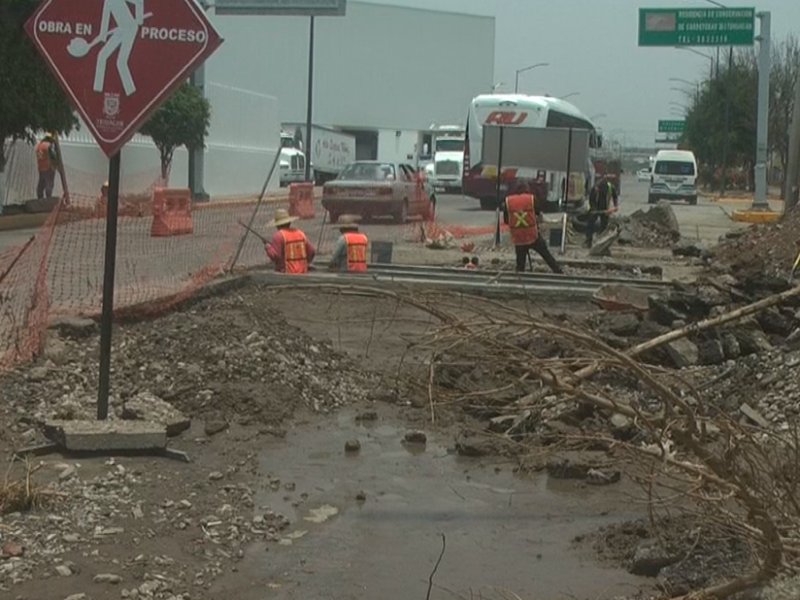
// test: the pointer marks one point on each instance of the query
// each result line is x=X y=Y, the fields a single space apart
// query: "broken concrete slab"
x=683 y=353
x=107 y=436
x=75 y=328
x=602 y=247
x=752 y=414
x=149 y=407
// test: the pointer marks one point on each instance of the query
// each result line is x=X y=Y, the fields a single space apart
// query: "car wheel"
x=333 y=218
x=401 y=217
x=488 y=203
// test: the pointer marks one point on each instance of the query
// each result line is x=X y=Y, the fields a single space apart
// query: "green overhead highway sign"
x=671 y=126
x=696 y=26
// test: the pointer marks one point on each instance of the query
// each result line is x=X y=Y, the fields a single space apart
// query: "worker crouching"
x=521 y=215
x=289 y=249
x=350 y=253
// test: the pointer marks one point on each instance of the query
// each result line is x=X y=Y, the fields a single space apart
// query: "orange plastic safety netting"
x=58 y=271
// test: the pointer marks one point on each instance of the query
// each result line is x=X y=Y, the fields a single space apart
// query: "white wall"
x=379 y=67
x=392 y=147
x=243 y=139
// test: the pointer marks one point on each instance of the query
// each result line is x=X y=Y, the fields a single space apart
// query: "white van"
x=674 y=177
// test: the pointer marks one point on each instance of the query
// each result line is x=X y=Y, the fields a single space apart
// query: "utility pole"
x=792 y=173
x=726 y=136
x=310 y=99
x=764 y=49
x=196 y=166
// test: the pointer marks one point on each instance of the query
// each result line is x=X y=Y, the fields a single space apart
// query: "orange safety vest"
x=43 y=156
x=356 y=252
x=522 y=219
x=295 y=255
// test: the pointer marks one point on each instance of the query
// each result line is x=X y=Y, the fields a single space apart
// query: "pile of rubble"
x=767 y=250
x=656 y=227
x=230 y=359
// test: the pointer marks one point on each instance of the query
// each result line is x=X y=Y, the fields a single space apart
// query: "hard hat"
x=49 y=135
x=105 y=184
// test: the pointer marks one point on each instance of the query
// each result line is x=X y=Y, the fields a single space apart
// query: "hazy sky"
x=591 y=46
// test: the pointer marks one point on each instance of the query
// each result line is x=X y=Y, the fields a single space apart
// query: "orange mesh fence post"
x=301 y=200
x=172 y=212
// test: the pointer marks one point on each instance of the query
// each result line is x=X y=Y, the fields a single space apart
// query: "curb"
x=756 y=216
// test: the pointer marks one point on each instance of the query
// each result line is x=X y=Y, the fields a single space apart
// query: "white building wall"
x=379 y=67
x=243 y=139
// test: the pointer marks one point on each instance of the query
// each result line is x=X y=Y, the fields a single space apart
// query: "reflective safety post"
x=110 y=260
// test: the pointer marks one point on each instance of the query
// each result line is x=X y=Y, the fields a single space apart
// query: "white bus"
x=518 y=110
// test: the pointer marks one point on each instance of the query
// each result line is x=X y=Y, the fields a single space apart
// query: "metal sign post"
x=764 y=58
x=498 y=188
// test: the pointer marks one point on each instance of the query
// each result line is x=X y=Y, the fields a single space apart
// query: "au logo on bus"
x=505 y=117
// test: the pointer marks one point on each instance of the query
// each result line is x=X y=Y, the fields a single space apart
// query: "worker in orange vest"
x=289 y=249
x=47 y=163
x=520 y=214
x=350 y=253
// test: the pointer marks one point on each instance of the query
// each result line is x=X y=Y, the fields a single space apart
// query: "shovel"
x=79 y=47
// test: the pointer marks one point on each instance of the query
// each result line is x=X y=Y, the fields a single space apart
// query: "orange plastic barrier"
x=301 y=200
x=172 y=212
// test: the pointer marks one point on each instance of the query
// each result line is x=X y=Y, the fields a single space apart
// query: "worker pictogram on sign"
x=117 y=60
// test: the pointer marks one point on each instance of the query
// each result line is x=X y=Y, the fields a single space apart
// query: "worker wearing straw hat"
x=289 y=249
x=350 y=253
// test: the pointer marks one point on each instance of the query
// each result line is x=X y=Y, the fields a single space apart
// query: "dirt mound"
x=762 y=250
x=656 y=227
x=233 y=358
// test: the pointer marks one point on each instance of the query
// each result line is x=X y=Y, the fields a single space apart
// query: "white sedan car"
x=643 y=175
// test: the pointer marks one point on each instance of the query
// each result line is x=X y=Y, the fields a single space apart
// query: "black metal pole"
x=310 y=100
x=498 y=189
x=569 y=168
x=108 y=288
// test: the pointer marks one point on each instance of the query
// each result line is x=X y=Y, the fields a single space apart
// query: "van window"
x=674 y=167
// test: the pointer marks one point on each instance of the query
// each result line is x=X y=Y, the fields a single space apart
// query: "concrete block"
x=107 y=436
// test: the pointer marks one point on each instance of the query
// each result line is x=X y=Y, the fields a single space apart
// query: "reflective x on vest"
x=294 y=251
x=521 y=219
x=356 y=251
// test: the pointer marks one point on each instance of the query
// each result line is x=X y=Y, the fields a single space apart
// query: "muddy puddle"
x=369 y=525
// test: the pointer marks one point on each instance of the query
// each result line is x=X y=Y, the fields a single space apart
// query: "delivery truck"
x=331 y=150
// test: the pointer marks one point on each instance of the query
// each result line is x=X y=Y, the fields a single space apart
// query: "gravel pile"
x=230 y=358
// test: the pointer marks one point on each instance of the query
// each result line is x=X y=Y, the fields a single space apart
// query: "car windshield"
x=674 y=167
x=368 y=172
x=448 y=145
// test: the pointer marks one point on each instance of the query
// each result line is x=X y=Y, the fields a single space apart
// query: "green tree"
x=183 y=120
x=738 y=86
x=31 y=100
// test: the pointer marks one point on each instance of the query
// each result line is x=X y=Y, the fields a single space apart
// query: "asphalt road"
x=705 y=221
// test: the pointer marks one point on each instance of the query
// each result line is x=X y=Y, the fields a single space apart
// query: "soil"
x=680 y=552
x=271 y=505
x=762 y=250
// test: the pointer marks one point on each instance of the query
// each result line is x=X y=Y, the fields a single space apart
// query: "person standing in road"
x=520 y=214
x=350 y=253
x=47 y=163
x=602 y=193
x=289 y=249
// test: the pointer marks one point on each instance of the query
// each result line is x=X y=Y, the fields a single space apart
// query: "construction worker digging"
x=520 y=215
x=47 y=164
x=289 y=249
x=350 y=253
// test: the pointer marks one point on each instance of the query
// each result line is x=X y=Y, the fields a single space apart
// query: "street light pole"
x=516 y=82
x=310 y=99
x=764 y=50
